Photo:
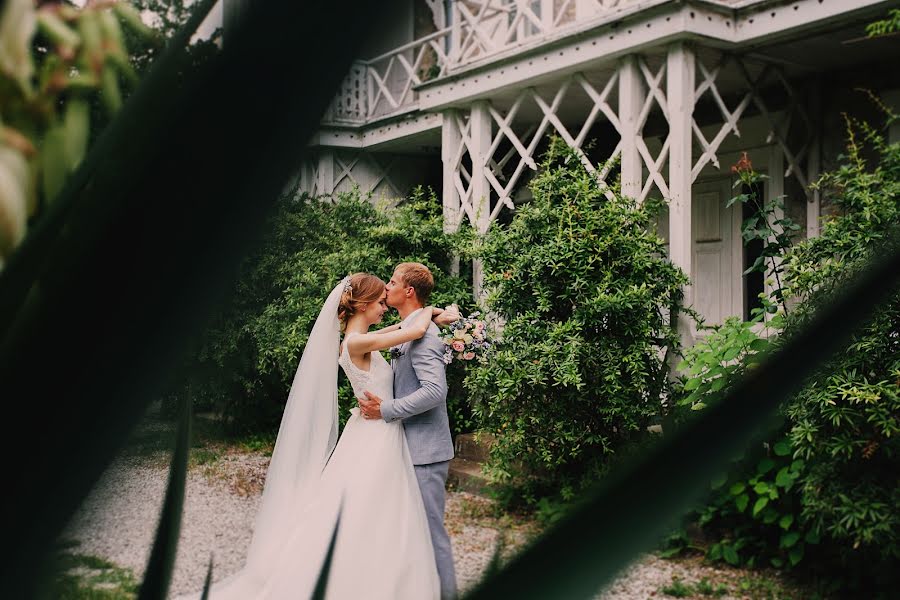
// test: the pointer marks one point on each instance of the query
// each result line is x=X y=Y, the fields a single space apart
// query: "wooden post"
x=680 y=85
x=813 y=199
x=450 y=141
x=775 y=190
x=631 y=100
x=480 y=136
x=326 y=172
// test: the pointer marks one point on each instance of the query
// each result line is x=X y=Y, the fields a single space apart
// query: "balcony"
x=517 y=43
x=479 y=31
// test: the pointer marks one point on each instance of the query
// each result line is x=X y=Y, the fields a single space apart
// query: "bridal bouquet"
x=465 y=339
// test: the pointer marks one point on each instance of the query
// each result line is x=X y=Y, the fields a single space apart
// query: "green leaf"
x=782 y=448
x=796 y=555
x=759 y=345
x=759 y=505
x=789 y=539
x=669 y=553
x=776 y=562
x=207 y=583
x=731 y=556
x=812 y=537
x=737 y=488
x=731 y=354
x=77 y=125
x=693 y=384
x=785 y=521
x=764 y=466
x=322 y=581
x=784 y=478
x=158 y=574
x=719 y=481
x=741 y=502
x=54 y=162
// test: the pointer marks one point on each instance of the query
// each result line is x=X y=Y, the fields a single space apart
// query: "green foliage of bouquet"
x=585 y=295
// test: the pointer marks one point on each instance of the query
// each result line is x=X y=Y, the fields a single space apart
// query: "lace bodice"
x=378 y=380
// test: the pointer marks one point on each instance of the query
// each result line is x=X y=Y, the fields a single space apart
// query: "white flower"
x=17 y=24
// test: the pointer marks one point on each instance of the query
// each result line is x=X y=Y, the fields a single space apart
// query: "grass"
x=153 y=440
x=677 y=589
x=742 y=583
x=86 y=577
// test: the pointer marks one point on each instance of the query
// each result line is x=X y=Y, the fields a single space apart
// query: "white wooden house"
x=463 y=95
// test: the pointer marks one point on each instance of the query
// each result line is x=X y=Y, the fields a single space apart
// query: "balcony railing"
x=385 y=85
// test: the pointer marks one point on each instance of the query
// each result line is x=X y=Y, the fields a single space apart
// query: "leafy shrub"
x=247 y=359
x=585 y=294
x=752 y=510
x=828 y=480
x=845 y=423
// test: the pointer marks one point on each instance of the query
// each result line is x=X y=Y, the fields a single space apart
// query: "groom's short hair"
x=419 y=278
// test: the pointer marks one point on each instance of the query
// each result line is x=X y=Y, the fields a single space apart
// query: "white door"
x=716 y=252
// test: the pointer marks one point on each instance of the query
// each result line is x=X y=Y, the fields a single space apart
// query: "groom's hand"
x=370 y=407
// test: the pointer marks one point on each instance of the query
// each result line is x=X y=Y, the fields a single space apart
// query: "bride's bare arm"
x=440 y=316
x=362 y=344
x=388 y=329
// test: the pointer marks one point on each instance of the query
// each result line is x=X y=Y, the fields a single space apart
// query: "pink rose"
x=459 y=345
x=468 y=356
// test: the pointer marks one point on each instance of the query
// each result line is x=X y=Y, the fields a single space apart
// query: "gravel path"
x=118 y=521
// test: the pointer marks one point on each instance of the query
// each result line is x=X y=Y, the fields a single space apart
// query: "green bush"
x=584 y=292
x=845 y=423
x=246 y=361
x=826 y=485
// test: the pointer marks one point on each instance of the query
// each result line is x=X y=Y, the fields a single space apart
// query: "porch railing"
x=385 y=85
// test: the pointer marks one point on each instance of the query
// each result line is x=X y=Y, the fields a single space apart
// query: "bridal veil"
x=306 y=439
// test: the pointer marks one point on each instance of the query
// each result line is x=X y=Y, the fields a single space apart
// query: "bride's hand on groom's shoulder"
x=447 y=316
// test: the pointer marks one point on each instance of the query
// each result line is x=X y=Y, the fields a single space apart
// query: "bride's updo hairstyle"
x=362 y=288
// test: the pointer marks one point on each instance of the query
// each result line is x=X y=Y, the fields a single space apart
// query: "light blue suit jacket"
x=420 y=398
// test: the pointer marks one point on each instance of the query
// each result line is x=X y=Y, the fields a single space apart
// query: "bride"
x=362 y=488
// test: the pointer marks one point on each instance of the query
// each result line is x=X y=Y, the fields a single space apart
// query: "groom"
x=420 y=390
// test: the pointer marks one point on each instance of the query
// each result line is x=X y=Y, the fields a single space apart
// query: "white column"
x=326 y=171
x=815 y=158
x=775 y=189
x=450 y=141
x=680 y=85
x=301 y=179
x=631 y=100
x=480 y=138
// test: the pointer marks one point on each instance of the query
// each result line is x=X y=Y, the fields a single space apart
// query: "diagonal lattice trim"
x=730 y=118
x=655 y=96
x=780 y=128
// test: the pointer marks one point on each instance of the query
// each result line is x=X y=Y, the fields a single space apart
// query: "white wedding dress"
x=367 y=485
x=383 y=548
